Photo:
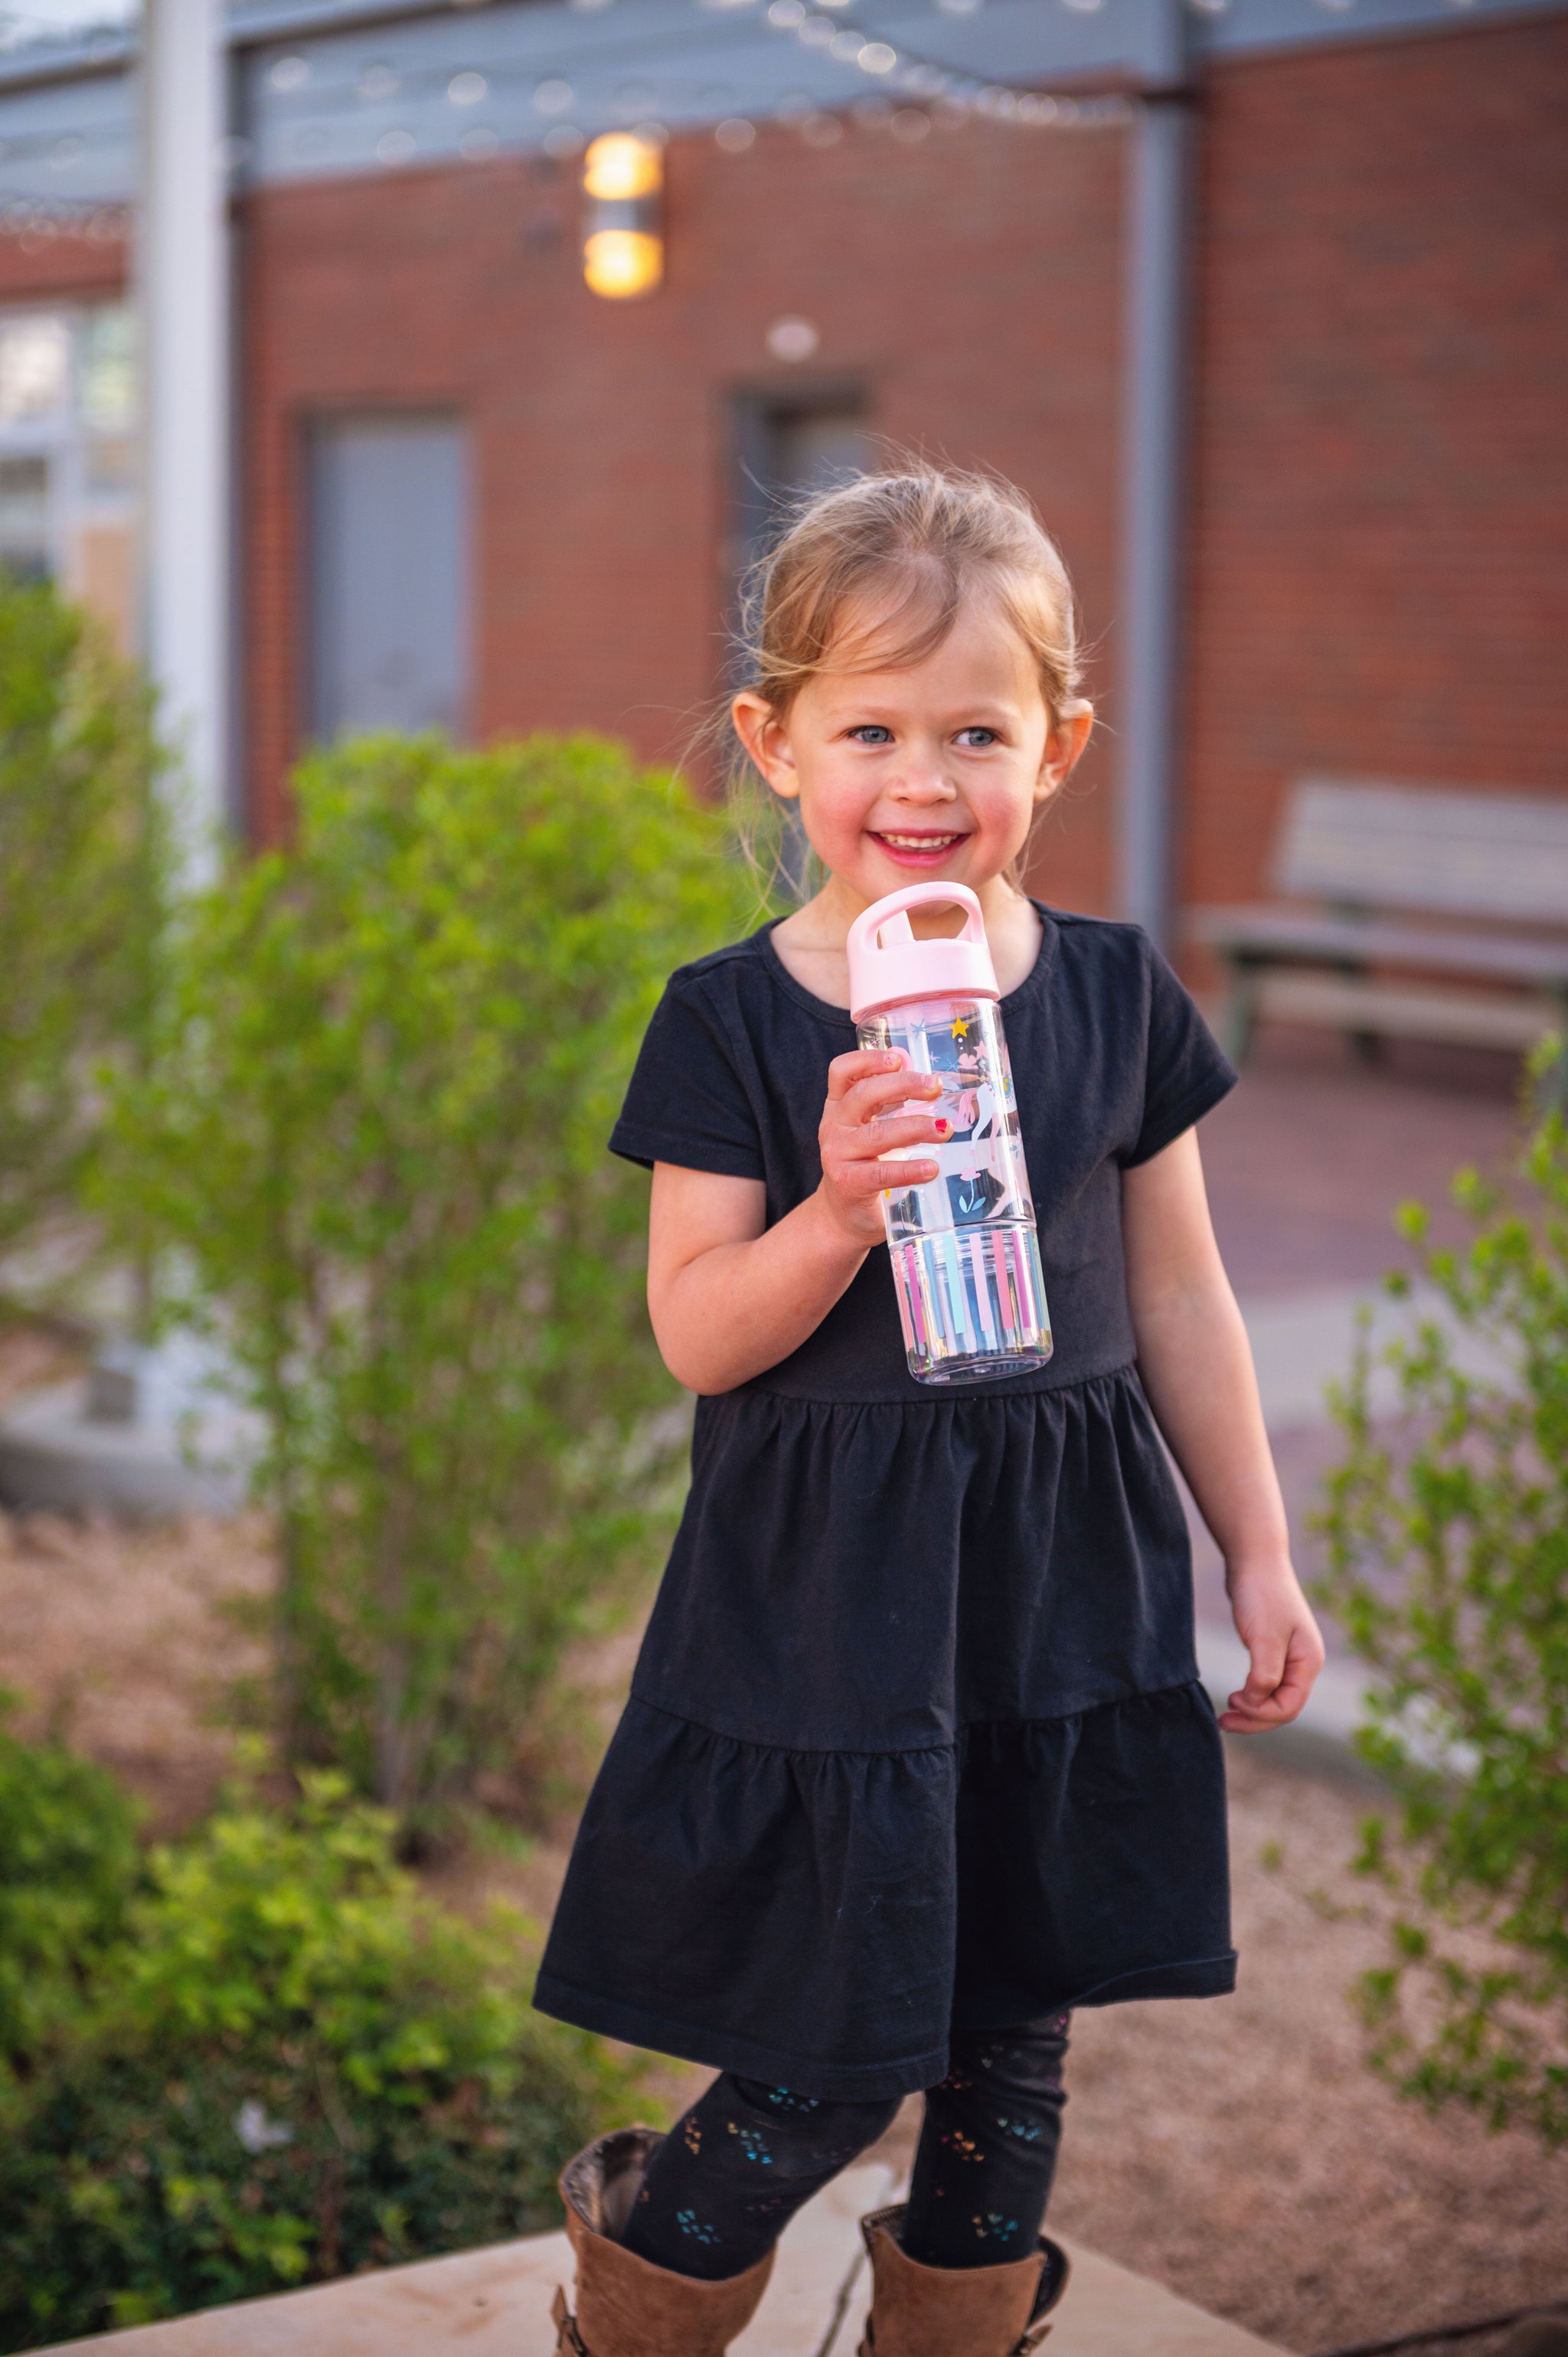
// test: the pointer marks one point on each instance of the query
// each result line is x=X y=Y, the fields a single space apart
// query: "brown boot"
x=626 y=2306
x=919 y=2311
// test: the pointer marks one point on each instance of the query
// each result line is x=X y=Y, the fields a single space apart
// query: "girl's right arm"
x=729 y=1295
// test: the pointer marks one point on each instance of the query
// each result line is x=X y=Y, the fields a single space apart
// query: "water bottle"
x=966 y=1261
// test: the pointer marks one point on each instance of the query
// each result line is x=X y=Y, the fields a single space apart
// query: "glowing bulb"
x=619 y=167
x=622 y=262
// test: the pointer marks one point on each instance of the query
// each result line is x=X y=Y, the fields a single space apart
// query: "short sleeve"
x=1186 y=1073
x=687 y=1103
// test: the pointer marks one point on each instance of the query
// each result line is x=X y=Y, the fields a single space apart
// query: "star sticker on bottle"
x=961 y=1027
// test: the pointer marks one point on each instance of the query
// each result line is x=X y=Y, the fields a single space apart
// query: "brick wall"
x=1380 y=541
x=969 y=284
x=49 y=261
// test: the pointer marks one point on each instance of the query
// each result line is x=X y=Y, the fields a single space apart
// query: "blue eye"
x=871 y=732
x=978 y=736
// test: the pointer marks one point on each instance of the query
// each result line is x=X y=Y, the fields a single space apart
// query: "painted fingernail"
x=943 y=1124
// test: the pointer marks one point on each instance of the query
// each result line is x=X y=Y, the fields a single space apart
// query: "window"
x=25 y=517
x=389 y=574
x=35 y=367
x=68 y=455
x=815 y=447
x=785 y=451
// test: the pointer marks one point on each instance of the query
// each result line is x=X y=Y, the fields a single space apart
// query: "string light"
x=956 y=94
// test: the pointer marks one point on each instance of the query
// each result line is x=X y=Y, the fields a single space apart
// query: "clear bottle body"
x=966 y=1261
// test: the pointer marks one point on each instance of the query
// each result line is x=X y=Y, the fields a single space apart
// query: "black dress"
x=916 y=1736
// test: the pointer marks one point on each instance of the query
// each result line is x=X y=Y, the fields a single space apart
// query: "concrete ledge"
x=496 y=2303
x=1108 y=2311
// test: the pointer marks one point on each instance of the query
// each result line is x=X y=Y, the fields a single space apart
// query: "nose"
x=920 y=781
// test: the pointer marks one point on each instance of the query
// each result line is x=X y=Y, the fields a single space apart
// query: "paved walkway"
x=1301 y=1343
x=496 y=2303
x=1309 y=1159
x=1306 y=1163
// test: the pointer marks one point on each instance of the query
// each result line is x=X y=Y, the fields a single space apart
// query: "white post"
x=184 y=294
x=1153 y=429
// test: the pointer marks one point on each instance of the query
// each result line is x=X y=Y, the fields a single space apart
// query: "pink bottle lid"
x=887 y=966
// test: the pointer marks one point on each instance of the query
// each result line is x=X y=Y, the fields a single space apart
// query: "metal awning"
x=332 y=86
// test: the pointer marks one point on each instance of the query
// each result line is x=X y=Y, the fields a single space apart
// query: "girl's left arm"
x=1196 y=1367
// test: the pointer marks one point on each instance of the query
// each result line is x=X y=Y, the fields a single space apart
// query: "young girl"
x=916 y=1760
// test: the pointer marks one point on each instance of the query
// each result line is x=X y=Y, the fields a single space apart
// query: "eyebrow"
x=966 y=716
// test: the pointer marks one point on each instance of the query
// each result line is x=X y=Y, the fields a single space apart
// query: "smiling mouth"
x=925 y=843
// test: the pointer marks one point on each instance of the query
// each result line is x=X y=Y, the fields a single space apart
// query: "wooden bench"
x=1453 y=892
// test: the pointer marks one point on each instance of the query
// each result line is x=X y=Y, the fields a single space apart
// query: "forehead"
x=980 y=657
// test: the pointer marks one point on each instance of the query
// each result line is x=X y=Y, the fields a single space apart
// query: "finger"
x=1265 y=1667
x=870 y=1177
x=1256 y=1722
x=878 y=1089
x=844 y=1070
x=884 y=1137
x=1303 y=1664
x=1248 y=1722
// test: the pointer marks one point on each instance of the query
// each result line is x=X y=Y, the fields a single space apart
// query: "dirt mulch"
x=31 y=1356
x=118 y=1640
x=1240 y=2151
x=1237 y=2150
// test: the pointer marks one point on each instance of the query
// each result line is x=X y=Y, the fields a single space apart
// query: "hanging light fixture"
x=623 y=241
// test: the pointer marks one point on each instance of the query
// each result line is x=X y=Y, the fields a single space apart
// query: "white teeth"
x=922 y=842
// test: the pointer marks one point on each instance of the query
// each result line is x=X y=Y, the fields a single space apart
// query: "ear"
x=1064 y=749
x=766 y=740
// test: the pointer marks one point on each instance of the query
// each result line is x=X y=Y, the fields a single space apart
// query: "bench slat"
x=1426 y=847
x=1384 y=1009
x=1272 y=932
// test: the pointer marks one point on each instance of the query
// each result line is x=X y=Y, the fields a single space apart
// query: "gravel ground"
x=1239 y=2150
x=125 y=1640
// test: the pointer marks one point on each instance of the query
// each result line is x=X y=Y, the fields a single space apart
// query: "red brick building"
x=1373 y=572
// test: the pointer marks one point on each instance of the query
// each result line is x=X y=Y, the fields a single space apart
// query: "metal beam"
x=1154 y=421
x=184 y=294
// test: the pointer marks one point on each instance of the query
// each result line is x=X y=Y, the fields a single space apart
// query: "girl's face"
x=933 y=770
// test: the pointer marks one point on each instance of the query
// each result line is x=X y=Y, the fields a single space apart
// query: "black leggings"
x=729 y=2177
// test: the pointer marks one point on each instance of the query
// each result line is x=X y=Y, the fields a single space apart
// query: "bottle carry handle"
x=887 y=973
x=890 y=915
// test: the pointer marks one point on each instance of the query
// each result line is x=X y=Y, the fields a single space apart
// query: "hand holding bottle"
x=966 y=1261
x=865 y=1117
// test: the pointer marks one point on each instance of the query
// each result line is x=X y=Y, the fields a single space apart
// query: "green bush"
x=69 y=1866
x=82 y=869
x=1448 y=1536
x=375 y=1146
x=292 y=2067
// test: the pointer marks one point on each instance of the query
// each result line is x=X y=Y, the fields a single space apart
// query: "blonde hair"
x=873 y=575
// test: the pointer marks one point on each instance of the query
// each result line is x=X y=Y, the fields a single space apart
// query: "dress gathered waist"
x=929 y=1396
